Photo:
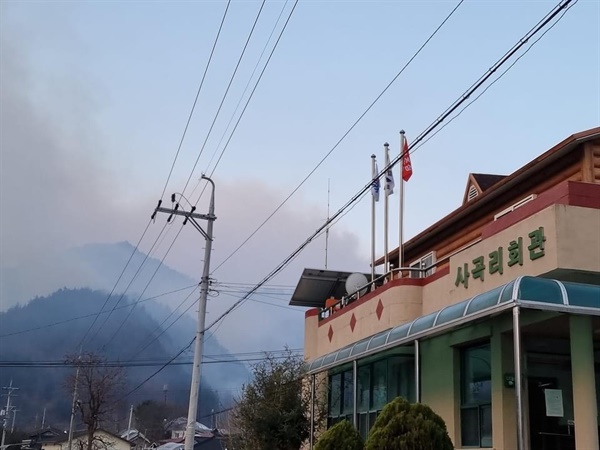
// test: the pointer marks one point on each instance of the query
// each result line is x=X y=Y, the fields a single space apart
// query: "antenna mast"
x=327 y=229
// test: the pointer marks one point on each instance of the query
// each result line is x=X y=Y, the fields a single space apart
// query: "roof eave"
x=500 y=188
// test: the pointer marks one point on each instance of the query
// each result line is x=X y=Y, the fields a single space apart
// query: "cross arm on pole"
x=186 y=214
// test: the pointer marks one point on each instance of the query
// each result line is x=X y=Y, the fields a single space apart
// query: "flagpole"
x=374 y=173
x=386 y=261
x=401 y=208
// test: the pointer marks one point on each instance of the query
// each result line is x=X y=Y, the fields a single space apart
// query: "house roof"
x=485 y=202
x=64 y=437
x=47 y=433
x=132 y=434
x=180 y=424
x=487 y=180
x=527 y=292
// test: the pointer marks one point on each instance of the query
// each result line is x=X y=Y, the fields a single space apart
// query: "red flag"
x=406 y=164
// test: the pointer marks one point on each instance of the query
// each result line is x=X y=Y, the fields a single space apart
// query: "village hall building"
x=494 y=322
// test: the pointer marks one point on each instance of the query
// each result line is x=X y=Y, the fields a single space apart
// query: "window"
x=379 y=397
x=425 y=262
x=348 y=393
x=401 y=377
x=476 y=396
x=364 y=388
x=473 y=192
x=341 y=397
x=335 y=395
x=379 y=381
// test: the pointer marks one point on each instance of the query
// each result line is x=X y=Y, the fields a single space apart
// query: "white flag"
x=388 y=187
x=376 y=185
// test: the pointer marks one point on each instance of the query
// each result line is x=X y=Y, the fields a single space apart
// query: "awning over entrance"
x=527 y=292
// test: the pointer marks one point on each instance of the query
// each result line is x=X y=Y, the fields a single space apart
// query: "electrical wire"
x=251 y=94
x=247 y=85
x=134 y=304
x=366 y=188
x=535 y=30
x=231 y=80
x=135 y=275
x=265 y=302
x=140 y=349
x=196 y=98
x=72 y=319
x=82 y=341
x=340 y=140
x=128 y=364
x=224 y=95
x=495 y=81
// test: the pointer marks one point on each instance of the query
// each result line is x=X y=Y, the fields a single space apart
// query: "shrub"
x=341 y=436
x=405 y=426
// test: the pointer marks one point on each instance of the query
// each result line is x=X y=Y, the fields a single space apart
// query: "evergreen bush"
x=408 y=426
x=341 y=436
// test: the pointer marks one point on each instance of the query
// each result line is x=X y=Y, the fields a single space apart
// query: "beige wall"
x=572 y=242
x=109 y=442
x=545 y=218
x=311 y=337
x=578 y=241
x=400 y=304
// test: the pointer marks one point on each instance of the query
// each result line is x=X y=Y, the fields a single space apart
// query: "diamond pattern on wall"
x=379 y=309
x=330 y=333
x=352 y=322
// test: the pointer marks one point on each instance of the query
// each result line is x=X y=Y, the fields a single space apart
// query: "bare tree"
x=99 y=387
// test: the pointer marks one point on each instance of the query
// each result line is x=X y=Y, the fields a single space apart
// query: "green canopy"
x=527 y=292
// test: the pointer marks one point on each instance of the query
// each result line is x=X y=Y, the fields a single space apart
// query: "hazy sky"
x=95 y=96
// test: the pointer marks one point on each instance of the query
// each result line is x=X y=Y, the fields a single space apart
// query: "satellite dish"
x=355 y=282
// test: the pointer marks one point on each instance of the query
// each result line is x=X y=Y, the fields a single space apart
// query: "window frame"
x=479 y=406
x=420 y=264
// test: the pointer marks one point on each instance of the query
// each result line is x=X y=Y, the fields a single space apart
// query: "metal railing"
x=385 y=278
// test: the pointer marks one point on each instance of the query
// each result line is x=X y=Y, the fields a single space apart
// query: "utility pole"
x=12 y=427
x=73 y=403
x=191 y=216
x=129 y=426
x=7 y=411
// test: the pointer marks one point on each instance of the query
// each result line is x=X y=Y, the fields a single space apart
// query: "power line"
x=555 y=11
x=164 y=330
x=224 y=95
x=135 y=275
x=180 y=144
x=365 y=189
x=265 y=302
x=247 y=84
x=252 y=93
x=129 y=364
x=115 y=286
x=495 y=81
x=134 y=304
x=340 y=140
x=72 y=319
x=247 y=41
x=196 y=98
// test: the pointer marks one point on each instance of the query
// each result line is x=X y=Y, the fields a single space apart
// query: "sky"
x=96 y=95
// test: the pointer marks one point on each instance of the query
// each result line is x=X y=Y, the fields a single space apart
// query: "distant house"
x=177 y=428
x=103 y=440
x=36 y=441
x=137 y=439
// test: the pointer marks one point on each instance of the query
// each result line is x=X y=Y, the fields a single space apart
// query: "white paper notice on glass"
x=554 y=403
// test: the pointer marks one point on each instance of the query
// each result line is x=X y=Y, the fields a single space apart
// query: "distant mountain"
x=48 y=327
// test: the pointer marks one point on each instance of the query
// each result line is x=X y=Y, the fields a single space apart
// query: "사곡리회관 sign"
x=495 y=259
